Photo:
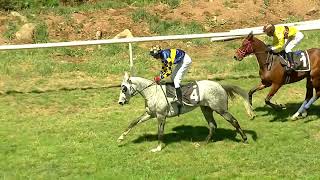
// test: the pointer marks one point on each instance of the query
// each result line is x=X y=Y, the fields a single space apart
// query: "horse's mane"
x=141 y=79
x=259 y=41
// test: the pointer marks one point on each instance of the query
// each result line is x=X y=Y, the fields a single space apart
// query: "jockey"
x=169 y=57
x=284 y=37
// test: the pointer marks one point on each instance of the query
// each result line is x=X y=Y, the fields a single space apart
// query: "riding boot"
x=179 y=97
x=290 y=59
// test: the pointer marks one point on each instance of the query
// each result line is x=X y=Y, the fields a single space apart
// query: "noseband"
x=248 y=49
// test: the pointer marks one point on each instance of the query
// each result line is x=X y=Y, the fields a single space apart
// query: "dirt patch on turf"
x=83 y=26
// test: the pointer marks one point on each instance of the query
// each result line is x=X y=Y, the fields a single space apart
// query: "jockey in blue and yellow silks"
x=168 y=58
x=284 y=38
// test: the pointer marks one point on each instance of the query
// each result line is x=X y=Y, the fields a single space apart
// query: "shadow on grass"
x=38 y=91
x=195 y=134
x=284 y=115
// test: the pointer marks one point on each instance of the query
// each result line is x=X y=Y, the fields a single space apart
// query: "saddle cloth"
x=300 y=58
x=190 y=93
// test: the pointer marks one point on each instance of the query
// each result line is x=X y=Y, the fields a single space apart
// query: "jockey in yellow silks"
x=284 y=38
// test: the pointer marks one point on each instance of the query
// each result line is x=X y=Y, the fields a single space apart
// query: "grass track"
x=72 y=134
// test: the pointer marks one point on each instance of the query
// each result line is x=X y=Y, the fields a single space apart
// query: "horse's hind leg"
x=312 y=100
x=227 y=116
x=208 y=114
x=144 y=117
x=309 y=95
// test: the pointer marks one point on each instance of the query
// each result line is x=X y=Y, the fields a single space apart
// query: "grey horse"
x=213 y=97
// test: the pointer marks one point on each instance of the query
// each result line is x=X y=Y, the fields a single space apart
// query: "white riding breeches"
x=290 y=44
x=180 y=70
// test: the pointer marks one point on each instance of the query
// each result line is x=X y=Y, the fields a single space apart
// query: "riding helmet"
x=155 y=51
x=269 y=29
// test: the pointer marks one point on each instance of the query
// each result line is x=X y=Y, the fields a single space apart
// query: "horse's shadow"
x=195 y=134
x=284 y=115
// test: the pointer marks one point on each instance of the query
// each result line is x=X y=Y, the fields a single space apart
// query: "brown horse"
x=276 y=76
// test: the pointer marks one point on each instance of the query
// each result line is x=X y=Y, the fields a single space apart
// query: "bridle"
x=135 y=91
x=247 y=50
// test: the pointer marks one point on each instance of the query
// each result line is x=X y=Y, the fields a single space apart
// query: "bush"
x=9 y=5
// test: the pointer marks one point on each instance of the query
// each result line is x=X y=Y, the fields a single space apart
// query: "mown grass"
x=73 y=135
x=50 y=128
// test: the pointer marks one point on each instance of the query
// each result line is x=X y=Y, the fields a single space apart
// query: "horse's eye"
x=124 y=89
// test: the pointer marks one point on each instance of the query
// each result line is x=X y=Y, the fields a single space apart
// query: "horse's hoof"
x=157 y=149
x=304 y=114
x=196 y=145
x=120 y=139
x=253 y=116
x=295 y=116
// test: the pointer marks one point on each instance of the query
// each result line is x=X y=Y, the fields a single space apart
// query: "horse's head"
x=246 y=48
x=127 y=90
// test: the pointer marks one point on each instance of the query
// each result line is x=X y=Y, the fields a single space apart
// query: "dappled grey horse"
x=213 y=97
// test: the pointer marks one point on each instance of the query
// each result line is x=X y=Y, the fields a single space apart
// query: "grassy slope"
x=49 y=131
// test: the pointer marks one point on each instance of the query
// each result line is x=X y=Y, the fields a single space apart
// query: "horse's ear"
x=126 y=76
x=250 y=36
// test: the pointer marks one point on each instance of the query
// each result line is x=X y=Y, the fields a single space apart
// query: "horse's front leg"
x=161 y=123
x=272 y=92
x=144 y=117
x=255 y=89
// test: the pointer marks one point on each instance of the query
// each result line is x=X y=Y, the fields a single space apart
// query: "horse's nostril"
x=121 y=103
x=234 y=57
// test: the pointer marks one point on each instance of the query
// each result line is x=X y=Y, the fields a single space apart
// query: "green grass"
x=51 y=127
x=12 y=28
x=292 y=19
x=230 y=3
x=41 y=33
x=164 y=27
x=72 y=134
x=69 y=6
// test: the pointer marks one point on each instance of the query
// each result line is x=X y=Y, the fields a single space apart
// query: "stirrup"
x=289 y=70
x=292 y=66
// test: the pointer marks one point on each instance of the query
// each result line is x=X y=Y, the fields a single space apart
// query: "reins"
x=140 y=92
x=166 y=98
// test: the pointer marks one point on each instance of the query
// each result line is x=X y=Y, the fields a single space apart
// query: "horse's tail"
x=231 y=90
